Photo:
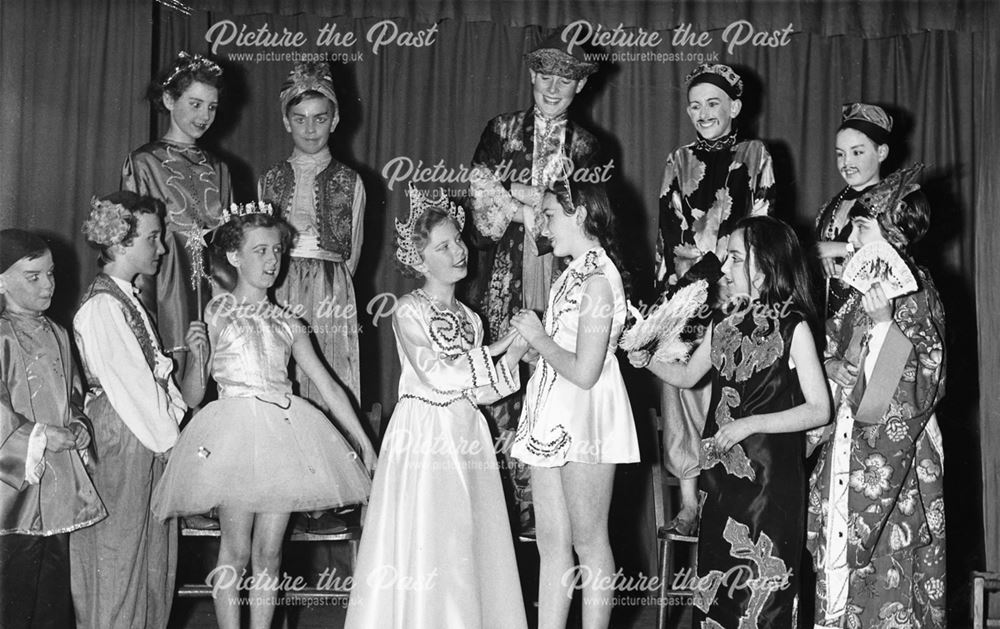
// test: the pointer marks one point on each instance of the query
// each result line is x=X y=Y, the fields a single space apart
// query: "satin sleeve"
x=471 y=373
x=113 y=355
x=357 y=224
x=15 y=433
x=493 y=206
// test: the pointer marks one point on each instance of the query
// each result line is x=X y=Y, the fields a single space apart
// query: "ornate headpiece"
x=246 y=209
x=551 y=57
x=887 y=193
x=107 y=224
x=406 y=250
x=719 y=75
x=308 y=76
x=189 y=63
x=868 y=119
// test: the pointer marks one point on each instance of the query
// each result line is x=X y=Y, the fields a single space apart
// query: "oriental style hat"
x=719 y=75
x=554 y=56
x=308 y=76
x=868 y=119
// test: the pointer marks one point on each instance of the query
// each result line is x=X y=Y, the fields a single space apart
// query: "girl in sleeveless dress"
x=259 y=453
x=437 y=549
x=768 y=387
x=577 y=421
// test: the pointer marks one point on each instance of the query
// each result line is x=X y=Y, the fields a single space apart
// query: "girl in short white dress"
x=577 y=421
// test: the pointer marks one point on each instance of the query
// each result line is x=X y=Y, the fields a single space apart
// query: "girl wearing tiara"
x=767 y=389
x=192 y=183
x=437 y=549
x=259 y=452
x=876 y=505
x=577 y=422
x=122 y=568
x=324 y=201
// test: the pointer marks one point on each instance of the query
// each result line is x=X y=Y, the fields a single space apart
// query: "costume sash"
x=871 y=399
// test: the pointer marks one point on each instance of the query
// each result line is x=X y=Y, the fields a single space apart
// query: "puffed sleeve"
x=470 y=373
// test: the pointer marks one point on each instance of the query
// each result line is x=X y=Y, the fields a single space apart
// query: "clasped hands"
x=521 y=341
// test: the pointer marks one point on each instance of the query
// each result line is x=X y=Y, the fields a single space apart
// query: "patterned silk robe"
x=876 y=502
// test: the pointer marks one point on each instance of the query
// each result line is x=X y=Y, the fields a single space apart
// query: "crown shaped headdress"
x=406 y=250
x=189 y=63
x=245 y=209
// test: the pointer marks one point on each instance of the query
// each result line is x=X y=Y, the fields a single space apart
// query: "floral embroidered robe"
x=890 y=503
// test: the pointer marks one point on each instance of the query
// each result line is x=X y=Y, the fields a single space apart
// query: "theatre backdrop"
x=418 y=80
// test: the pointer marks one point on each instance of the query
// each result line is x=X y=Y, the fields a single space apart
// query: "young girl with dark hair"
x=767 y=389
x=259 y=453
x=192 y=183
x=577 y=422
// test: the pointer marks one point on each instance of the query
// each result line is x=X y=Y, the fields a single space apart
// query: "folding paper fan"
x=660 y=332
x=879 y=262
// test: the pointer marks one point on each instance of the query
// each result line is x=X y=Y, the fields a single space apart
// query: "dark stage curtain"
x=72 y=82
x=71 y=74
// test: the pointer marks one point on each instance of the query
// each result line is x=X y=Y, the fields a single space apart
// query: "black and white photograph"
x=472 y=314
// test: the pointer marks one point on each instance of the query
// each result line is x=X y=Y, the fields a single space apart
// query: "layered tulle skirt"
x=260 y=456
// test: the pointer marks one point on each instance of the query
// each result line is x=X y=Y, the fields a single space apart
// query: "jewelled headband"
x=406 y=250
x=719 y=75
x=304 y=77
x=107 y=224
x=190 y=63
x=246 y=209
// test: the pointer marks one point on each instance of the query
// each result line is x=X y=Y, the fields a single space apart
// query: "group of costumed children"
x=91 y=486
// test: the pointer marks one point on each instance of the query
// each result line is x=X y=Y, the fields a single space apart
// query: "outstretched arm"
x=333 y=394
x=684 y=375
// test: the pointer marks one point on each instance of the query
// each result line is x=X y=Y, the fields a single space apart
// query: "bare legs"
x=253 y=537
x=571 y=513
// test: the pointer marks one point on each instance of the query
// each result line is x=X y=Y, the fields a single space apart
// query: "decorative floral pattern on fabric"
x=769 y=573
x=735 y=459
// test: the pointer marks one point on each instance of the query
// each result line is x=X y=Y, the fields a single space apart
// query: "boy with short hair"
x=45 y=491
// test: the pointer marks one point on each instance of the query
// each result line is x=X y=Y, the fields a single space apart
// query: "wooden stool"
x=352 y=535
x=983 y=582
x=665 y=540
